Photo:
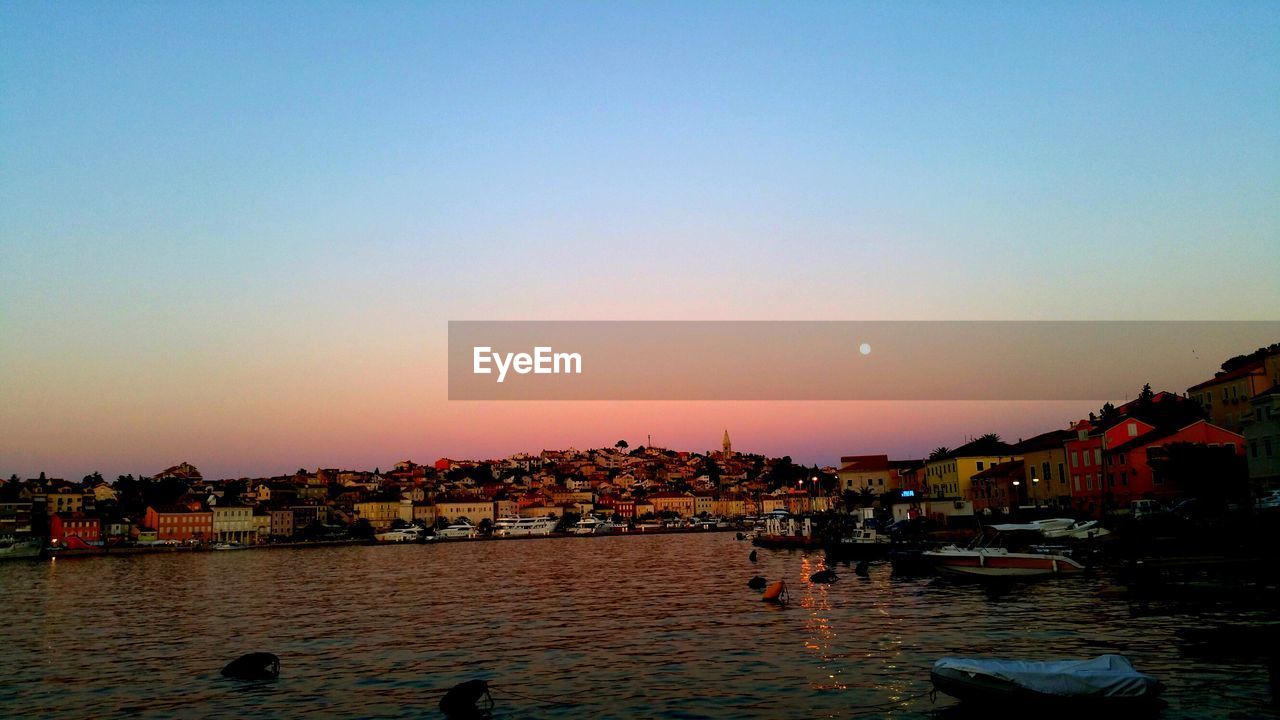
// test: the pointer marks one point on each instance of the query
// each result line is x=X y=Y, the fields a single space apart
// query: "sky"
x=234 y=233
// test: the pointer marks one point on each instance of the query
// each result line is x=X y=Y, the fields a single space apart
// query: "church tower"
x=728 y=446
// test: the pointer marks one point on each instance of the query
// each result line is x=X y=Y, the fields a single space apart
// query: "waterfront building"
x=15 y=517
x=1000 y=488
x=1131 y=469
x=950 y=474
x=1262 y=435
x=180 y=523
x=261 y=524
x=64 y=525
x=1046 y=480
x=379 y=513
x=681 y=504
x=703 y=503
x=281 y=524
x=866 y=472
x=472 y=508
x=234 y=523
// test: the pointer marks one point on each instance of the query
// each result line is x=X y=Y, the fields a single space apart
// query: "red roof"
x=1252 y=368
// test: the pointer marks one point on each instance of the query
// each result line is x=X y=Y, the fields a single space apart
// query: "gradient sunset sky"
x=233 y=233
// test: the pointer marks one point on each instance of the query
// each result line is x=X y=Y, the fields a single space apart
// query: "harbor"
x=695 y=639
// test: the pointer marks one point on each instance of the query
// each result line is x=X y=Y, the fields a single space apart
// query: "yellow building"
x=473 y=509
x=234 y=523
x=729 y=506
x=949 y=475
x=1226 y=397
x=678 y=503
x=1045 y=459
x=379 y=513
x=866 y=472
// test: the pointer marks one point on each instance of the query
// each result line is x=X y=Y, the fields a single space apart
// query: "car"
x=1145 y=508
x=1269 y=501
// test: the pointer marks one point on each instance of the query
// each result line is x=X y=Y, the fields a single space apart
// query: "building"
x=63 y=525
x=379 y=513
x=859 y=473
x=179 y=523
x=475 y=509
x=234 y=524
x=1262 y=436
x=1129 y=467
x=949 y=475
x=15 y=518
x=999 y=488
x=1046 y=480
x=681 y=504
x=1226 y=397
x=282 y=525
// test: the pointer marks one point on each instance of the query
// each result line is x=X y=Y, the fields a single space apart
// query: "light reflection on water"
x=657 y=626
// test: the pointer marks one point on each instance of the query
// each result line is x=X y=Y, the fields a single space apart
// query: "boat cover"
x=1106 y=676
x=1016 y=527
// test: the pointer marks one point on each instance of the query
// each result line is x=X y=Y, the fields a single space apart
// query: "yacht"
x=409 y=534
x=459 y=530
x=588 y=525
x=11 y=548
x=516 y=527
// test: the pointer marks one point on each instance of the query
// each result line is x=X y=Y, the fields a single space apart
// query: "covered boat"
x=1109 y=679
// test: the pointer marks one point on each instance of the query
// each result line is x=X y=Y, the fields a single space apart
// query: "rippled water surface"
x=657 y=626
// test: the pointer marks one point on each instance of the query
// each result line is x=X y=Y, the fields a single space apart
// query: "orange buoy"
x=776 y=593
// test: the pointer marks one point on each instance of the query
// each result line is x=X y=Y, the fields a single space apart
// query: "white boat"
x=1104 y=681
x=524 y=526
x=588 y=525
x=608 y=527
x=458 y=530
x=409 y=534
x=989 y=556
x=1086 y=530
x=11 y=549
x=229 y=546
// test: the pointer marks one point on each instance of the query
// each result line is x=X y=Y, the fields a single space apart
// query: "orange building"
x=180 y=523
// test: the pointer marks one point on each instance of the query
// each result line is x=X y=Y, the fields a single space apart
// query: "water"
x=656 y=626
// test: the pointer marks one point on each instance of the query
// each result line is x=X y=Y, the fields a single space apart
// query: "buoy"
x=757 y=582
x=752 y=556
x=470 y=699
x=862 y=569
x=253 y=666
x=776 y=593
x=741 y=536
x=824 y=576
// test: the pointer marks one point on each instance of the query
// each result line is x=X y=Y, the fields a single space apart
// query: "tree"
x=1108 y=413
x=486 y=526
x=939 y=452
x=362 y=529
x=621 y=445
x=989 y=438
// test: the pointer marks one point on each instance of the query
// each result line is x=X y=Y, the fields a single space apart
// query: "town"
x=1218 y=442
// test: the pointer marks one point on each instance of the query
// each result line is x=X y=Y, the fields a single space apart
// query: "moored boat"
x=1105 y=680
x=994 y=562
x=11 y=549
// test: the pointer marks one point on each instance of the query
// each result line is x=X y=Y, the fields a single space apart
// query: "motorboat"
x=457 y=531
x=588 y=525
x=1086 y=530
x=989 y=556
x=1106 y=680
x=12 y=549
x=517 y=527
x=409 y=534
x=229 y=546
x=608 y=527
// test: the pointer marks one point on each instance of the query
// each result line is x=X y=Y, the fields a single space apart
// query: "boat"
x=408 y=534
x=860 y=544
x=1086 y=530
x=524 y=526
x=14 y=549
x=608 y=527
x=989 y=556
x=229 y=546
x=588 y=525
x=782 y=532
x=1106 y=680
x=457 y=531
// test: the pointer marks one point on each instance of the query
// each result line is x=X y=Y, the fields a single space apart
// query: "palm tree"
x=990 y=438
x=939 y=452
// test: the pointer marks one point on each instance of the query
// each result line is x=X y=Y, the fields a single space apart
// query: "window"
x=1062 y=475
x=1077 y=481
x=1266 y=446
x=979 y=466
x=1133 y=430
x=1088 y=481
x=1097 y=456
x=1075 y=459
